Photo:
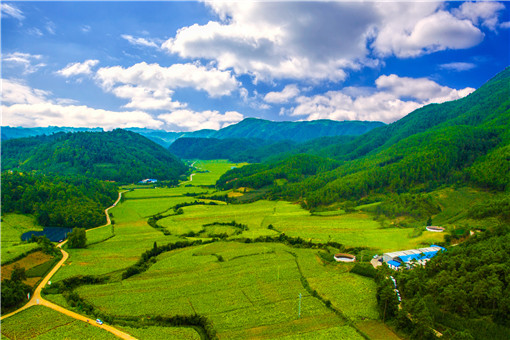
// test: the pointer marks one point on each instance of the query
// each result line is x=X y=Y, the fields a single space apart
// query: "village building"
x=408 y=258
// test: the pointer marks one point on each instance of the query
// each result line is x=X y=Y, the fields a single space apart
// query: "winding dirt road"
x=37 y=299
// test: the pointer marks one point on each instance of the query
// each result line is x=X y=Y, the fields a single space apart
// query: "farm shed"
x=406 y=258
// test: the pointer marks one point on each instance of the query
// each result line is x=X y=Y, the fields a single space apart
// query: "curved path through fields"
x=37 y=299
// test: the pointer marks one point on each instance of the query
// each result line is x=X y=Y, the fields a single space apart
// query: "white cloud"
x=16 y=92
x=393 y=98
x=75 y=69
x=422 y=30
x=35 y=31
x=32 y=108
x=289 y=92
x=48 y=114
x=140 y=41
x=317 y=41
x=187 y=120
x=51 y=27
x=457 y=66
x=11 y=11
x=29 y=62
x=481 y=13
x=147 y=99
x=153 y=84
x=85 y=28
x=297 y=40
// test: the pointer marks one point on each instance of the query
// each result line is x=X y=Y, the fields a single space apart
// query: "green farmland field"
x=214 y=169
x=39 y=322
x=253 y=291
x=245 y=290
x=13 y=226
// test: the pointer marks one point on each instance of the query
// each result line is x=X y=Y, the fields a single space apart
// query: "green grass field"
x=39 y=322
x=253 y=292
x=13 y=226
x=246 y=290
x=215 y=169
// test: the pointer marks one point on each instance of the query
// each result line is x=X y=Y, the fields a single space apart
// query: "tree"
x=429 y=221
x=77 y=238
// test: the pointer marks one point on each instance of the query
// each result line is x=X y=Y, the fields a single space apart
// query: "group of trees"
x=117 y=155
x=57 y=201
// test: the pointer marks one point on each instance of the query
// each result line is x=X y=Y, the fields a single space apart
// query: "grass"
x=245 y=290
x=215 y=169
x=13 y=226
x=253 y=291
x=157 y=333
x=44 y=323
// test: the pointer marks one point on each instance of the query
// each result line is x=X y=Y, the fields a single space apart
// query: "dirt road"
x=38 y=299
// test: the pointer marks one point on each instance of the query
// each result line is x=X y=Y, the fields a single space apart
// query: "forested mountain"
x=58 y=201
x=118 y=155
x=294 y=131
x=463 y=141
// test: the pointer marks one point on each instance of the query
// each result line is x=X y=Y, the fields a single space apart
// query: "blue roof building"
x=411 y=257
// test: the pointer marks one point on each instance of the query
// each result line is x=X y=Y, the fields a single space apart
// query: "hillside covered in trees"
x=463 y=141
x=58 y=201
x=462 y=293
x=118 y=155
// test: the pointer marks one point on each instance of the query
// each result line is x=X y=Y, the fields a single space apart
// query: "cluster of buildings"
x=148 y=181
x=408 y=258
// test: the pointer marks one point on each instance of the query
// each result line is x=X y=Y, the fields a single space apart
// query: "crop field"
x=157 y=333
x=44 y=323
x=13 y=226
x=243 y=289
x=215 y=169
x=166 y=192
x=253 y=291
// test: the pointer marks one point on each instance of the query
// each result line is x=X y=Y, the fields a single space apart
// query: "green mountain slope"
x=294 y=131
x=118 y=155
x=439 y=144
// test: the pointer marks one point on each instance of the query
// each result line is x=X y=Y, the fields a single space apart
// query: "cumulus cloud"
x=457 y=66
x=147 y=99
x=187 y=120
x=297 y=40
x=12 y=11
x=16 y=92
x=32 y=108
x=422 y=30
x=28 y=62
x=481 y=13
x=393 y=98
x=152 y=85
x=140 y=41
x=325 y=40
x=75 y=69
x=289 y=92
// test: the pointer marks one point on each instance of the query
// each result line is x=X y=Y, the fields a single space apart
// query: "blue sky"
x=184 y=66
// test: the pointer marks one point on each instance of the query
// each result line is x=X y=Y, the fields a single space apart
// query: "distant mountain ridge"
x=118 y=155
x=248 y=128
